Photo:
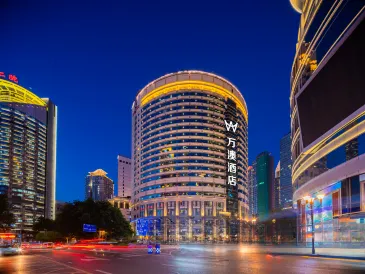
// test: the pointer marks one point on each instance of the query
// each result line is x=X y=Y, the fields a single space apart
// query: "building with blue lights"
x=286 y=190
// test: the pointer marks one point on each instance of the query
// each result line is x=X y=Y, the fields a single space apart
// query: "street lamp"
x=253 y=224
x=274 y=230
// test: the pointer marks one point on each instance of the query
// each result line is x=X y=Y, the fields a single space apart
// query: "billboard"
x=89 y=228
x=336 y=91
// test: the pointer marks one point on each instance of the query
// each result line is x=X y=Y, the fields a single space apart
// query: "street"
x=186 y=259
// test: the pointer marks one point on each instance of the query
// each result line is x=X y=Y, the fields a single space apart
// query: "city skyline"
x=63 y=71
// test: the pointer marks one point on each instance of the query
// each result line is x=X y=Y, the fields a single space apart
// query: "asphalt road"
x=187 y=259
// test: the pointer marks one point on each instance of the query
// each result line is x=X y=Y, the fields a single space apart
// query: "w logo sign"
x=230 y=125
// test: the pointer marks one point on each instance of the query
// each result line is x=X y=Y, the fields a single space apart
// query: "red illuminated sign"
x=11 y=77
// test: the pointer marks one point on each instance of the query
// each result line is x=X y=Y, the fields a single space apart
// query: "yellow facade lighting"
x=318 y=152
x=320 y=197
x=194 y=85
x=13 y=93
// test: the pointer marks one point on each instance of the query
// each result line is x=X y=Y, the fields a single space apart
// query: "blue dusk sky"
x=92 y=57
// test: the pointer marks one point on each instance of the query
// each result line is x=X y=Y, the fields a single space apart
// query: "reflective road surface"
x=186 y=259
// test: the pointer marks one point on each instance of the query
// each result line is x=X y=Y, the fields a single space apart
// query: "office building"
x=252 y=189
x=59 y=206
x=286 y=190
x=124 y=205
x=28 y=129
x=189 y=158
x=124 y=176
x=98 y=186
x=277 y=188
x=328 y=121
x=265 y=184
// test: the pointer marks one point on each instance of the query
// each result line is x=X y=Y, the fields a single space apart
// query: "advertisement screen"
x=337 y=90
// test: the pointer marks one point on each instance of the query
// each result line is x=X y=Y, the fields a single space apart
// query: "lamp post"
x=310 y=200
x=253 y=231
x=273 y=230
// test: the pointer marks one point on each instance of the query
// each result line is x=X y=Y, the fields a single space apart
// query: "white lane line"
x=78 y=269
x=101 y=271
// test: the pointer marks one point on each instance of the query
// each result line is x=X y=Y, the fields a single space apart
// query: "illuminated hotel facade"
x=328 y=121
x=190 y=158
x=27 y=153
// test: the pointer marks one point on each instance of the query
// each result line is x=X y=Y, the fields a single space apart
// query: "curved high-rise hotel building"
x=189 y=158
x=28 y=127
x=328 y=121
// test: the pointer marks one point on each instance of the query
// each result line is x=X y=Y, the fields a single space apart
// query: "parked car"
x=10 y=250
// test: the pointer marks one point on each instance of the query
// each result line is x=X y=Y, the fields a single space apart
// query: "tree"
x=48 y=236
x=102 y=214
x=44 y=224
x=6 y=217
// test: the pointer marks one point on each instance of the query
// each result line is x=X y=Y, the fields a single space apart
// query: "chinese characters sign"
x=231 y=154
x=10 y=77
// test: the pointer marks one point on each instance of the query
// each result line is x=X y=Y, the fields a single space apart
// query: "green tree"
x=6 y=217
x=48 y=236
x=102 y=214
x=44 y=224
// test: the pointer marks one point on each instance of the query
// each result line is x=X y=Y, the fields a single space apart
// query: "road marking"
x=124 y=259
x=101 y=271
x=83 y=271
x=167 y=264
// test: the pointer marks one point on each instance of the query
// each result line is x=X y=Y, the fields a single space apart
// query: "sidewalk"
x=348 y=253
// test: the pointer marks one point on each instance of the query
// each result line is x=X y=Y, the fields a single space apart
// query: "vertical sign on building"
x=232 y=129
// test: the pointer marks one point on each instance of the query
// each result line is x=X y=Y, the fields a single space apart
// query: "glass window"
x=355 y=194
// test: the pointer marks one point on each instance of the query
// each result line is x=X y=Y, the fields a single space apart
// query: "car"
x=48 y=245
x=10 y=250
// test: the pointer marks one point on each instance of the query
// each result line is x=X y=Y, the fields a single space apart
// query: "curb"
x=317 y=256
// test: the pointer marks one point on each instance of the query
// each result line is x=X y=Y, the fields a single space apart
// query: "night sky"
x=92 y=57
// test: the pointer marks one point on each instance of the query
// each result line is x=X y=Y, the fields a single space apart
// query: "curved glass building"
x=189 y=158
x=28 y=127
x=328 y=121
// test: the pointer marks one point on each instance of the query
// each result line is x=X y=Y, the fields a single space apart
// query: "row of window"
x=176 y=95
x=171 y=194
x=148 y=121
x=177 y=168
x=175 y=161
x=169 y=149
x=178 y=134
x=185 y=154
x=186 y=120
x=210 y=141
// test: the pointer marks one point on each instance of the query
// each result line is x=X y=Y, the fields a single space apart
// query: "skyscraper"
x=265 y=184
x=124 y=176
x=189 y=157
x=28 y=129
x=327 y=101
x=277 y=188
x=98 y=186
x=286 y=189
x=252 y=189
